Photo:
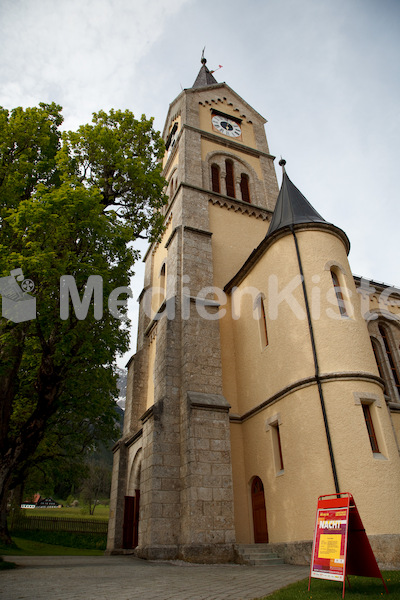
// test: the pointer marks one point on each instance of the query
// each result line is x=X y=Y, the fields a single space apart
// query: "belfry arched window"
x=391 y=356
x=215 y=178
x=378 y=359
x=229 y=179
x=244 y=187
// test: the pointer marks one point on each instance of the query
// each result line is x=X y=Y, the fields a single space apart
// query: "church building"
x=265 y=374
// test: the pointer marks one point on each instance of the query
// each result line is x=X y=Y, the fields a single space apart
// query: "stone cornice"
x=133 y=438
x=171 y=237
x=380 y=286
x=198 y=231
x=147 y=414
x=240 y=206
x=208 y=401
x=228 y=143
x=302 y=383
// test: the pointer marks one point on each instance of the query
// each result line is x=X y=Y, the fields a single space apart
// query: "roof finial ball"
x=282 y=164
x=203 y=60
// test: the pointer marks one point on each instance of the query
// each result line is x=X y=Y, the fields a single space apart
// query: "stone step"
x=272 y=560
x=259 y=555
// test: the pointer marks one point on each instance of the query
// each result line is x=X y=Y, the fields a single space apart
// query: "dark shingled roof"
x=205 y=77
x=292 y=208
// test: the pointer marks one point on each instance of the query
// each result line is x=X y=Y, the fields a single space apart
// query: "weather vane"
x=204 y=60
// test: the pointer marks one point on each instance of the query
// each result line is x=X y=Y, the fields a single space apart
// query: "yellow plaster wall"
x=288 y=514
x=241 y=493
x=331 y=330
x=360 y=472
x=343 y=347
x=171 y=167
x=235 y=235
x=159 y=256
x=228 y=358
x=291 y=496
x=288 y=336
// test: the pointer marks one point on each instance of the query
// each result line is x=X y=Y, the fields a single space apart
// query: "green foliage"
x=121 y=157
x=33 y=548
x=102 y=512
x=93 y=541
x=29 y=142
x=69 y=205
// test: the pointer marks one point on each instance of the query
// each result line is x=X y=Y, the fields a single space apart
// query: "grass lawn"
x=361 y=589
x=34 y=548
x=69 y=512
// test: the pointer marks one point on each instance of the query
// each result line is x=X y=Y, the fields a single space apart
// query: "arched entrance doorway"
x=259 y=512
x=130 y=534
x=131 y=521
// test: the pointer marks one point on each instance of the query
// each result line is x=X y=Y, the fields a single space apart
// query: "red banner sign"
x=341 y=546
x=329 y=553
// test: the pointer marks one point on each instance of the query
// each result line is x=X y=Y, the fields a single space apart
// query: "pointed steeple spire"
x=205 y=77
x=291 y=207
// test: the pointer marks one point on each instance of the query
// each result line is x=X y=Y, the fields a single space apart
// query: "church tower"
x=254 y=388
x=176 y=447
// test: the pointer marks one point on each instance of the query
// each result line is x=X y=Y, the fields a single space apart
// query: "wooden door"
x=127 y=541
x=259 y=512
x=131 y=521
x=136 y=518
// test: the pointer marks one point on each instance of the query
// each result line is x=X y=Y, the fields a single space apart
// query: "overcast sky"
x=324 y=73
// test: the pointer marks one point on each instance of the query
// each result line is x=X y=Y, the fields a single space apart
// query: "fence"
x=22 y=522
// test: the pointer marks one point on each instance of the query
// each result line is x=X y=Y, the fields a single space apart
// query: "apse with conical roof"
x=292 y=208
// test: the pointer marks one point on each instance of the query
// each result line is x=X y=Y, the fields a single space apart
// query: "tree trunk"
x=5 y=537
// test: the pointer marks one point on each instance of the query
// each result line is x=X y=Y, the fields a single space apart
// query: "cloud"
x=79 y=53
x=324 y=74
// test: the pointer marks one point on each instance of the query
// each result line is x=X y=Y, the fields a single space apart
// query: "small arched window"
x=370 y=428
x=215 y=179
x=390 y=356
x=339 y=295
x=229 y=179
x=244 y=187
x=262 y=320
x=162 y=282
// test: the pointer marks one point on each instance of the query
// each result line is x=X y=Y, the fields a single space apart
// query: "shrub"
x=89 y=541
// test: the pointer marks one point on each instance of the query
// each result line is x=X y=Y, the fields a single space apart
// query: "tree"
x=96 y=484
x=69 y=205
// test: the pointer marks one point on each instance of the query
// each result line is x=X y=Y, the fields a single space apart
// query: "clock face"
x=226 y=126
